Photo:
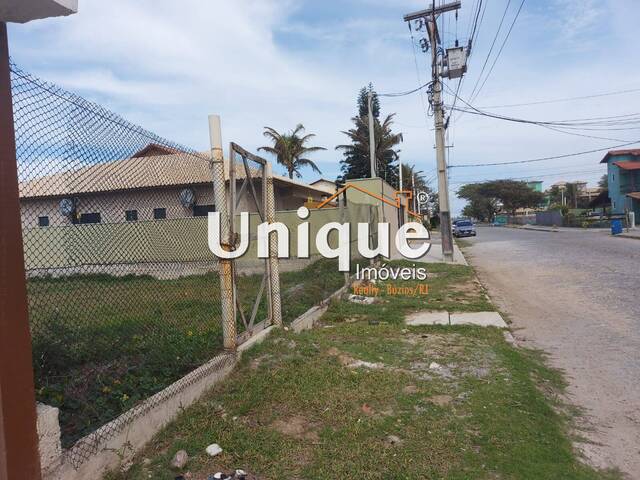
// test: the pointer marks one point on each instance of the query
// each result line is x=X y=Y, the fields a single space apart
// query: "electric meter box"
x=456 y=62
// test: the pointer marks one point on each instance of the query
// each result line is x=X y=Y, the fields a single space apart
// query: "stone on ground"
x=213 y=450
x=361 y=299
x=427 y=318
x=180 y=459
x=482 y=319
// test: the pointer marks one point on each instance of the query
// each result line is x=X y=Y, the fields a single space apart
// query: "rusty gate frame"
x=270 y=278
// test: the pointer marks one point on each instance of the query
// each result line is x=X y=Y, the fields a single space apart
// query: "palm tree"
x=290 y=148
x=356 y=163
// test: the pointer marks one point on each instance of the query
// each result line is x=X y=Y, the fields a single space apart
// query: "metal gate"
x=256 y=300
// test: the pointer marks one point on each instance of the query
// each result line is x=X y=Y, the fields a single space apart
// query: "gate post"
x=227 y=293
x=274 y=272
x=19 y=458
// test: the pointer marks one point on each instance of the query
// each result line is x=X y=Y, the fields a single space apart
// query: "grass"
x=102 y=343
x=298 y=406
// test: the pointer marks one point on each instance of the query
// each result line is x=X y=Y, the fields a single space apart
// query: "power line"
x=404 y=94
x=631 y=119
x=575 y=154
x=568 y=99
x=626 y=119
x=415 y=61
x=495 y=60
x=546 y=175
x=495 y=38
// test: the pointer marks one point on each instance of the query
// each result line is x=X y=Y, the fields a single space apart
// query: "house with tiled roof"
x=623 y=176
x=155 y=183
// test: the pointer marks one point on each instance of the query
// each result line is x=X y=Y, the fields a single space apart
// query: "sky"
x=166 y=65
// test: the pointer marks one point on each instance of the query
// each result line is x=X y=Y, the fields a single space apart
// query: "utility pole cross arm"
x=448 y=7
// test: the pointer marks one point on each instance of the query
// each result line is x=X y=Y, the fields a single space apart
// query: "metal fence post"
x=19 y=457
x=342 y=200
x=229 y=333
x=274 y=271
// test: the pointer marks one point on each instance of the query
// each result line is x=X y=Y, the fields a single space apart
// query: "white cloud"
x=166 y=65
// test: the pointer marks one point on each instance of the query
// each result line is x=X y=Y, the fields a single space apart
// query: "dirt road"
x=576 y=295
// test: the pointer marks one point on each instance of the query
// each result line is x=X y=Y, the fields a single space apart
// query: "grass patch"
x=101 y=343
x=300 y=406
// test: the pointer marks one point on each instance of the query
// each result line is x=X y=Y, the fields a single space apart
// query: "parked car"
x=464 y=228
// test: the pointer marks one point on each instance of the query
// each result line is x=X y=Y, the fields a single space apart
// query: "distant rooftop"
x=635 y=152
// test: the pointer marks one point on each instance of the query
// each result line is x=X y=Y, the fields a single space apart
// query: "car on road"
x=464 y=228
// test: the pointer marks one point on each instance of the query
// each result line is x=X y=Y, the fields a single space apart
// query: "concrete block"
x=256 y=339
x=138 y=426
x=482 y=319
x=49 y=439
x=307 y=320
x=427 y=318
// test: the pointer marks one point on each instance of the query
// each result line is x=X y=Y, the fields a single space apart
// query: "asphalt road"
x=576 y=295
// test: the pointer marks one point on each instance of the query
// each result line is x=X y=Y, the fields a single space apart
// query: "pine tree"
x=355 y=163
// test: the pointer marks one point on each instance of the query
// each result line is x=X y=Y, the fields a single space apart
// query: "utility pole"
x=429 y=16
x=372 y=135
x=400 y=189
x=413 y=189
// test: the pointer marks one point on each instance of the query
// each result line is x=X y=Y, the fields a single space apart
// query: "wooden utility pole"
x=19 y=457
x=429 y=16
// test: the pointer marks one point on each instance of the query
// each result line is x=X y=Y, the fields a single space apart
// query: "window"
x=159 y=213
x=131 y=215
x=203 y=210
x=93 y=217
x=43 y=221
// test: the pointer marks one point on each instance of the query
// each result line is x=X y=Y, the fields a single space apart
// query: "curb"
x=624 y=235
x=308 y=319
x=534 y=229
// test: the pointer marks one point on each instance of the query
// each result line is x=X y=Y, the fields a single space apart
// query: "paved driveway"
x=576 y=295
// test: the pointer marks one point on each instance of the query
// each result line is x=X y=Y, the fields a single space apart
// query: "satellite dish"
x=187 y=198
x=67 y=206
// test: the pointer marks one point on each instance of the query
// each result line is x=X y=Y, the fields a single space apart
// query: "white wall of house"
x=112 y=205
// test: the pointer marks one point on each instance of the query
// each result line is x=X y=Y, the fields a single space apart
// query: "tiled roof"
x=615 y=153
x=135 y=173
x=628 y=165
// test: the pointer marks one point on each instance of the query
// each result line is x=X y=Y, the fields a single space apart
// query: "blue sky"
x=167 y=65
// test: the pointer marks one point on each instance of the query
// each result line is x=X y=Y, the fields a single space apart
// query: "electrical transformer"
x=456 y=62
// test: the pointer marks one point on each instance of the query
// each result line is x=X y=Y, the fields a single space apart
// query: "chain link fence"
x=124 y=295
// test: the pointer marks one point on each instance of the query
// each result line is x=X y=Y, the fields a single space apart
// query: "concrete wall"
x=386 y=213
x=120 y=248
x=113 y=205
x=116 y=443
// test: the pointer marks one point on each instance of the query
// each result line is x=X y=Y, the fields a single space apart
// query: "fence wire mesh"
x=124 y=295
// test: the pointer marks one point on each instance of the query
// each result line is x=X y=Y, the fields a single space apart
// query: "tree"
x=512 y=194
x=603 y=183
x=484 y=198
x=363 y=102
x=572 y=192
x=355 y=162
x=479 y=206
x=556 y=196
x=421 y=185
x=290 y=149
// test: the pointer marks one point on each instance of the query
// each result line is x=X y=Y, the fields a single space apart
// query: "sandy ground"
x=576 y=295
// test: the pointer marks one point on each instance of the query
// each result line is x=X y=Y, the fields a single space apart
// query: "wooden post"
x=19 y=458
